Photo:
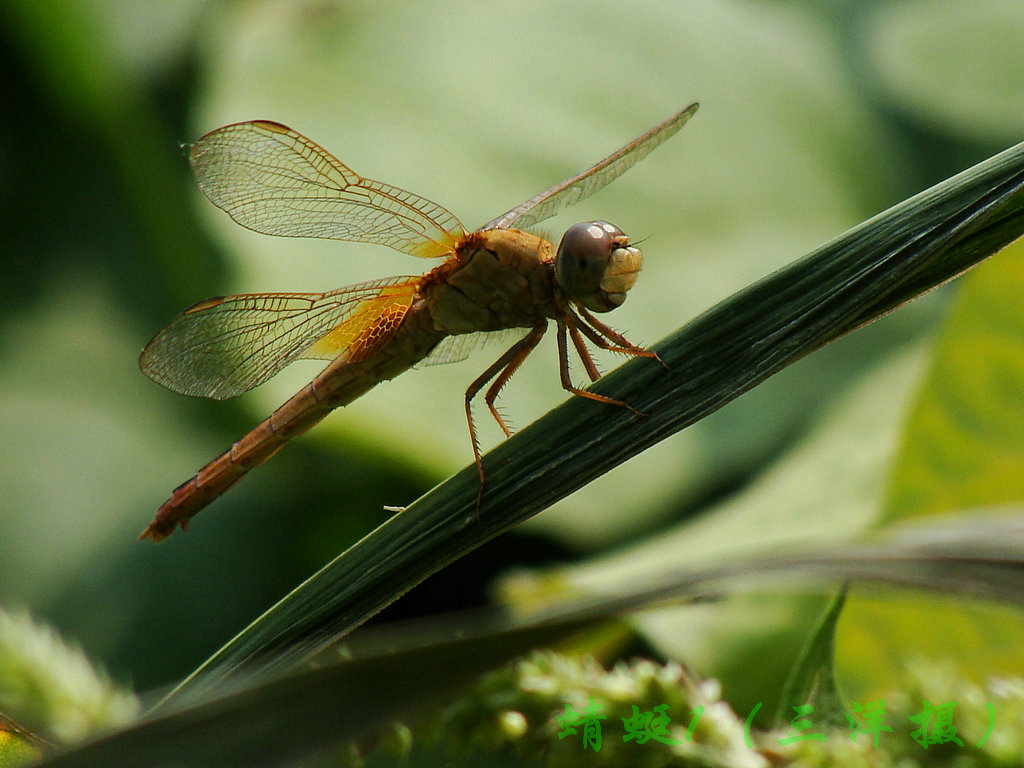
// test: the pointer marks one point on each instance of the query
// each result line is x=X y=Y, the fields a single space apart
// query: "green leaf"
x=813 y=679
x=962 y=448
x=963 y=442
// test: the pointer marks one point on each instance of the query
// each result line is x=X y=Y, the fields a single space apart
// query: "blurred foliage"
x=814 y=116
x=657 y=715
x=53 y=687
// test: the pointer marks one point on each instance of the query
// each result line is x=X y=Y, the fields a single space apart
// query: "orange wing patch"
x=369 y=326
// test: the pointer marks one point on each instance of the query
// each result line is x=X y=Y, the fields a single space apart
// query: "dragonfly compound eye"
x=596 y=266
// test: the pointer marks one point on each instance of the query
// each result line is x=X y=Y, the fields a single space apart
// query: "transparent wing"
x=454 y=349
x=273 y=180
x=583 y=185
x=225 y=346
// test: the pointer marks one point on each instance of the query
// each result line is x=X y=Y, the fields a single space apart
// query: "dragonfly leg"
x=571 y=323
x=601 y=335
x=503 y=368
x=524 y=348
x=563 y=367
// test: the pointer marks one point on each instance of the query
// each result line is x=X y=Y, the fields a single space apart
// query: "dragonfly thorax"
x=596 y=265
x=498 y=279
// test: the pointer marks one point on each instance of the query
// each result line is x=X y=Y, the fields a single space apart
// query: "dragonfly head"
x=596 y=265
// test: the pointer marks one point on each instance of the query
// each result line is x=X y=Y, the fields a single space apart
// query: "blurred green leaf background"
x=813 y=117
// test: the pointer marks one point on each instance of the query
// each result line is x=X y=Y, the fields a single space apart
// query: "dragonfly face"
x=596 y=265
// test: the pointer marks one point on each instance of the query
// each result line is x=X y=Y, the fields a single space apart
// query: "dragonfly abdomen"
x=298 y=414
x=339 y=384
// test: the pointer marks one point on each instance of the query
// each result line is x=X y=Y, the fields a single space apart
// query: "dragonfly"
x=500 y=277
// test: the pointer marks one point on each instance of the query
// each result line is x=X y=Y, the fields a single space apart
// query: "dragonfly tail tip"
x=155 y=532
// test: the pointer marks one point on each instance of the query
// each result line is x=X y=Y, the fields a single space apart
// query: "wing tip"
x=268 y=125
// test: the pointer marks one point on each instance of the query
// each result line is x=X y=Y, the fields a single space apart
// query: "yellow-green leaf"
x=963 y=448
